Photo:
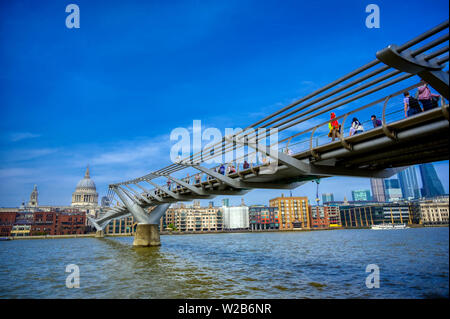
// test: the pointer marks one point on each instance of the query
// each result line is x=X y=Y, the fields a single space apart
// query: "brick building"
x=318 y=216
x=292 y=212
x=7 y=220
x=58 y=223
x=43 y=224
x=263 y=217
x=70 y=223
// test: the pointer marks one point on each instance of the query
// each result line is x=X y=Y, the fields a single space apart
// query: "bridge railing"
x=368 y=85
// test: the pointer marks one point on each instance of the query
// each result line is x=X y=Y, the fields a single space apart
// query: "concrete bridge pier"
x=99 y=233
x=147 y=235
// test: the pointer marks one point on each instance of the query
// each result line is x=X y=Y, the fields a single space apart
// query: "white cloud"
x=15 y=155
x=18 y=136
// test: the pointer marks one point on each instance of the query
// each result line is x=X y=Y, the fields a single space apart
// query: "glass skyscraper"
x=327 y=197
x=408 y=183
x=378 y=192
x=392 y=189
x=363 y=195
x=432 y=186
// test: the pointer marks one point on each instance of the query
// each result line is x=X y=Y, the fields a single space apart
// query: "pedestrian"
x=426 y=98
x=335 y=128
x=376 y=122
x=246 y=165
x=231 y=169
x=222 y=169
x=197 y=178
x=168 y=184
x=411 y=105
x=356 y=127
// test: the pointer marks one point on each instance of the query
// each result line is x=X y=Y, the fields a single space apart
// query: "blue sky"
x=109 y=94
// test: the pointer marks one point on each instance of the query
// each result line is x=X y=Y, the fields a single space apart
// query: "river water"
x=413 y=263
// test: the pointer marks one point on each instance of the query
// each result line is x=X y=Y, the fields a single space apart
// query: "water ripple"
x=331 y=264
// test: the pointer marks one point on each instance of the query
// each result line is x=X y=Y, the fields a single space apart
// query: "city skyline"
x=304 y=190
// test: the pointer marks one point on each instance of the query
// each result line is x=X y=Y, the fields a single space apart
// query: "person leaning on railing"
x=335 y=128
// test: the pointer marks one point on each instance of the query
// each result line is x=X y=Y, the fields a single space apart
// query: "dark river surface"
x=413 y=263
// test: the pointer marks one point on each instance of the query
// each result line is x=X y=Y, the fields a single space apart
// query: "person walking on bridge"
x=335 y=128
x=356 y=127
x=231 y=169
x=411 y=105
x=426 y=98
x=376 y=122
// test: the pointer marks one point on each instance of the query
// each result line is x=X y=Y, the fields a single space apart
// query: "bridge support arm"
x=134 y=208
x=192 y=188
x=223 y=178
x=429 y=71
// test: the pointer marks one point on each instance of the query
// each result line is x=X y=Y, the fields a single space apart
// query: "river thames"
x=413 y=263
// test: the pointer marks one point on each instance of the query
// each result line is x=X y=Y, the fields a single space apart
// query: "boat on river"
x=389 y=226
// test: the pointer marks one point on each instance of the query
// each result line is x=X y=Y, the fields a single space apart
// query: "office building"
x=361 y=195
x=292 y=212
x=434 y=211
x=58 y=223
x=366 y=215
x=226 y=202
x=235 y=217
x=408 y=183
x=318 y=216
x=378 y=191
x=333 y=215
x=327 y=197
x=125 y=225
x=105 y=202
x=263 y=217
x=393 y=192
x=192 y=219
x=432 y=186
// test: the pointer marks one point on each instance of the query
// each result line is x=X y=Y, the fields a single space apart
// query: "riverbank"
x=164 y=233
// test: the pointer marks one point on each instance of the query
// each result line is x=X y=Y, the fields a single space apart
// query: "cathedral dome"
x=85 y=194
x=86 y=182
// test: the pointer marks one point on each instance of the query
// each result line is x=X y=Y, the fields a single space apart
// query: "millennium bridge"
x=303 y=150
